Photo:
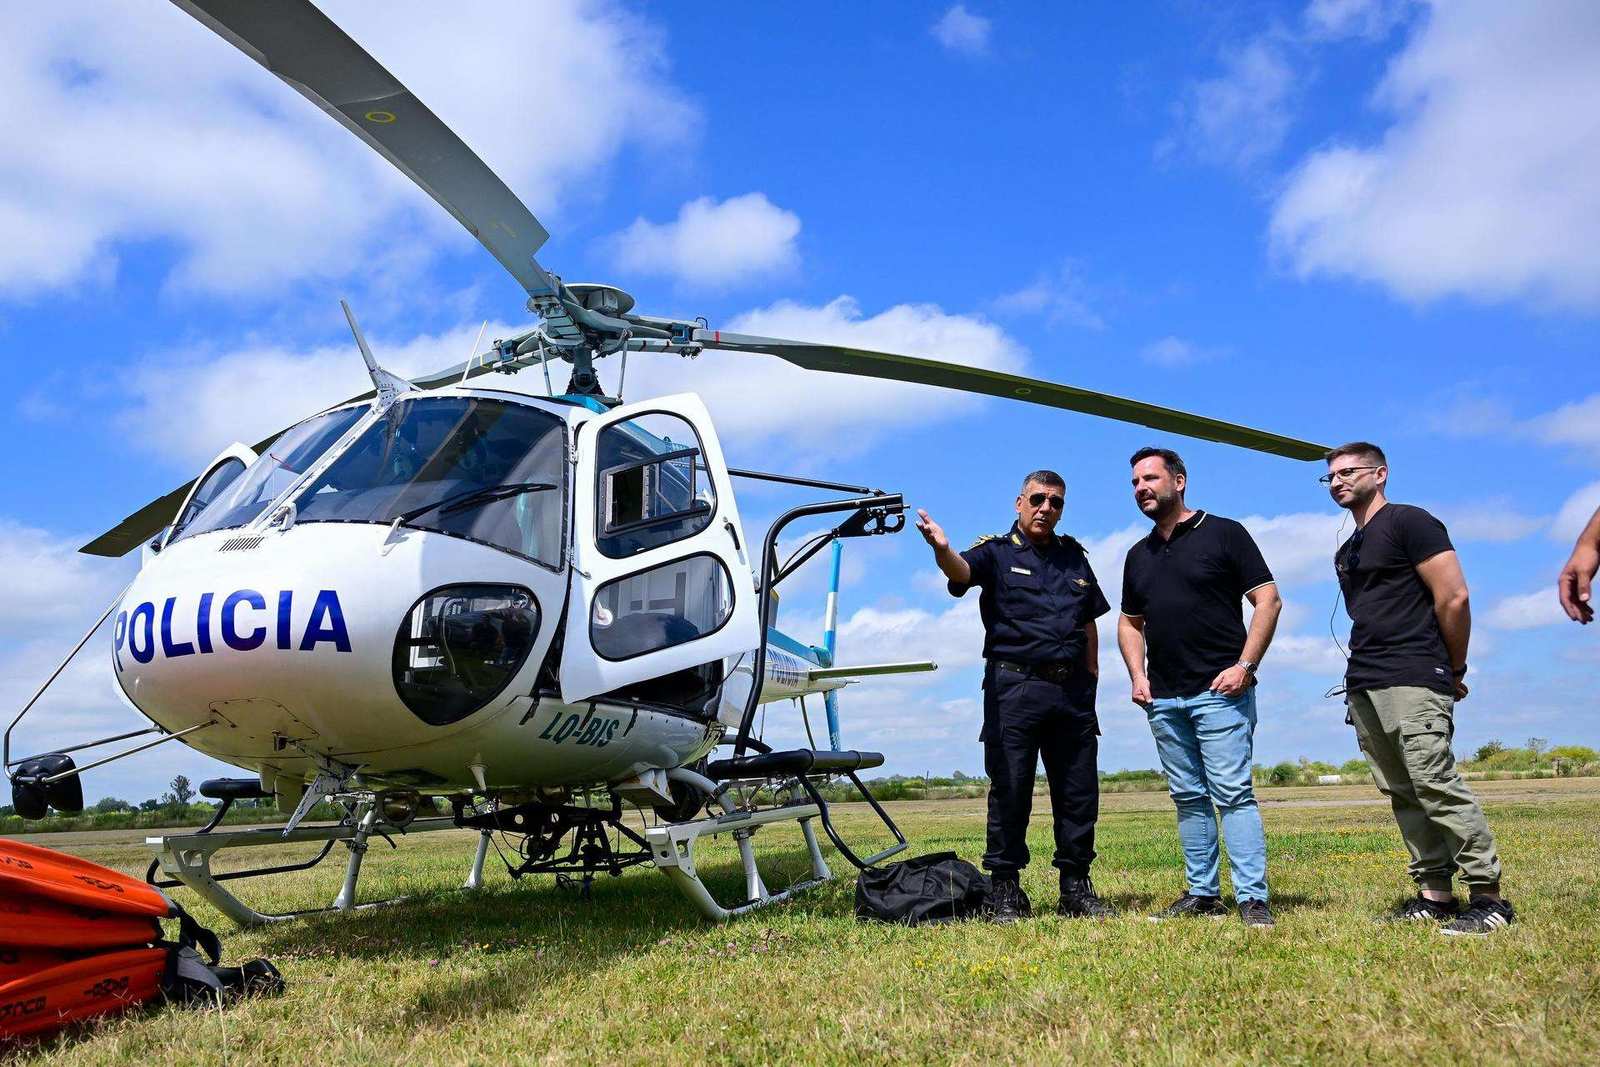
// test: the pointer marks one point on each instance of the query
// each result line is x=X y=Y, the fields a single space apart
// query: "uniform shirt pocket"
x=1021 y=596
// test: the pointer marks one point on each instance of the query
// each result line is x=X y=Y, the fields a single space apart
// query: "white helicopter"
x=545 y=610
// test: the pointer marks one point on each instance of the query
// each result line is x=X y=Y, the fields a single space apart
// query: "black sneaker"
x=1483 y=916
x=1078 y=900
x=1007 y=902
x=1191 y=906
x=1420 y=908
x=1256 y=914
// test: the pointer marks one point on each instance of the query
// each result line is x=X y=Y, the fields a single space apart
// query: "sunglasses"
x=1056 y=502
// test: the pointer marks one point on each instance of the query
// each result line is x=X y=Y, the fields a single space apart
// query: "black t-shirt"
x=1189 y=591
x=1394 y=635
x=1035 y=600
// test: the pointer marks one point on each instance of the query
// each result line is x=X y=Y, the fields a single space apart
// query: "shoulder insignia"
x=1082 y=581
x=1016 y=540
x=981 y=539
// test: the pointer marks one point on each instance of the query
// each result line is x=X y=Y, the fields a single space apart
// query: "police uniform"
x=1038 y=693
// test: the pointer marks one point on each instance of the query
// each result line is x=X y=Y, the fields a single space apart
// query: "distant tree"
x=111 y=804
x=153 y=804
x=6 y=810
x=1487 y=749
x=1537 y=745
x=958 y=776
x=182 y=791
x=1284 y=773
x=1574 y=753
x=1353 y=766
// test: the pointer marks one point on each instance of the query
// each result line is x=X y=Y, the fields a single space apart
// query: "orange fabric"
x=42 y=872
x=81 y=989
x=34 y=922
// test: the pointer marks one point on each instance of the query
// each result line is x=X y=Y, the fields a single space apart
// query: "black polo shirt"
x=1190 y=591
x=1394 y=634
x=1036 y=600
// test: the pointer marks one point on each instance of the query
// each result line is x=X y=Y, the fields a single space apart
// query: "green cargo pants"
x=1405 y=732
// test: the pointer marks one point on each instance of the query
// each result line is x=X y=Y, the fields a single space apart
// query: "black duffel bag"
x=928 y=889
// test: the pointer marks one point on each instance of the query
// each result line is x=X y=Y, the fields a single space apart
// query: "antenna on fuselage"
x=389 y=386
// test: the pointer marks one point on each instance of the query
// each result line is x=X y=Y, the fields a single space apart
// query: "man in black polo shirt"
x=1038 y=605
x=1410 y=623
x=1193 y=668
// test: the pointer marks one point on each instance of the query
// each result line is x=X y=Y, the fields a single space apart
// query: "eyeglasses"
x=1343 y=474
x=1037 y=499
x=1346 y=563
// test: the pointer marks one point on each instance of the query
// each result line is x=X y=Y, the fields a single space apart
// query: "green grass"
x=527 y=972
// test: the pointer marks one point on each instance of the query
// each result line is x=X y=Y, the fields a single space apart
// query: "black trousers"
x=1025 y=718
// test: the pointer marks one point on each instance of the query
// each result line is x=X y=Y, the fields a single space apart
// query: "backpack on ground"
x=934 y=888
x=78 y=940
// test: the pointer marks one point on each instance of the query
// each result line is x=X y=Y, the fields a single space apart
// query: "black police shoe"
x=1007 y=902
x=1191 y=906
x=1256 y=914
x=1483 y=916
x=1420 y=909
x=1078 y=900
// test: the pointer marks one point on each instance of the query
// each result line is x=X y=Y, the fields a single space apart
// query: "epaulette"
x=981 y=539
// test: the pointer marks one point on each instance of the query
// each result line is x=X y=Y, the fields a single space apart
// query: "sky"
x=1336 y=220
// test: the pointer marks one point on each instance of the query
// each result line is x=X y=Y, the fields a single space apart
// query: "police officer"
x=1038 y=605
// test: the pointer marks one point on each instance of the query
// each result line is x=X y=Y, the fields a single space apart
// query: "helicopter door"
x=661 y=578
x=223 y=471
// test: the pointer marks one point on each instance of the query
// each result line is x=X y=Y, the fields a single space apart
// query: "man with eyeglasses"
x=1410 y=623
x=1038 y=605
x=1193 y=669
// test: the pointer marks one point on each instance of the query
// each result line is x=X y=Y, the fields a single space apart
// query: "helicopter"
x=543 y=613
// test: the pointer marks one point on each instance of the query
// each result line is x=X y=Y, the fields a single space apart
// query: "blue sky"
x=1335 y=219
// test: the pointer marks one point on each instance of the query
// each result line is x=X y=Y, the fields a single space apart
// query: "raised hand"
x=931 y=531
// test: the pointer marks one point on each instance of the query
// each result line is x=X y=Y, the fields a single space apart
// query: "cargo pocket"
x=1425 y=739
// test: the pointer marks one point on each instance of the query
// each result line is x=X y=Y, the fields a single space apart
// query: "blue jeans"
x=1205 y=744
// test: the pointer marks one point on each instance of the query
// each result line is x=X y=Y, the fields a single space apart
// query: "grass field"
x=526 y=972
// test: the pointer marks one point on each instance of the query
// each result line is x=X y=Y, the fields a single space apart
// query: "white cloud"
x=960 y=30
x=1063 y=298
x=1575 y=513
x=740 y=239
x=1576 y=424
x=183 y=139
x=1241 y=116
x=1480 y=186
x=1495 y=520
x=49 y=583
x=1173 y=352
x=1527 y=611
x=188 y=406
x=1333 y=19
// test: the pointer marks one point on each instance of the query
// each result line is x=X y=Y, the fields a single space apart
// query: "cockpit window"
x=279 y=467
x=481 y=469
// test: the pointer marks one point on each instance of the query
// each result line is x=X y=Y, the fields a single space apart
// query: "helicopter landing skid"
x=186 y=859
x=672 y=852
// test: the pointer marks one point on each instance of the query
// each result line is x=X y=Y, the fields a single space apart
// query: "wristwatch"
x=1249 y=667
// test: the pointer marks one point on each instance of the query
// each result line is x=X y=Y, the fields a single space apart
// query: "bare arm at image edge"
x=1577 y=577
x=1130 y=640
x=1442 y=575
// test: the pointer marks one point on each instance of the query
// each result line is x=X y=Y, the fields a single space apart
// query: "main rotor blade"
x=301 y=45
x=840 y=360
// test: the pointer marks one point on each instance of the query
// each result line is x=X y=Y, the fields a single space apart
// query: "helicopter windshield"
x=431 y=450
x=279 y=467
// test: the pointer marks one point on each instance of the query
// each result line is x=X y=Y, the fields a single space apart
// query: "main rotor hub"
x=597 y=296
